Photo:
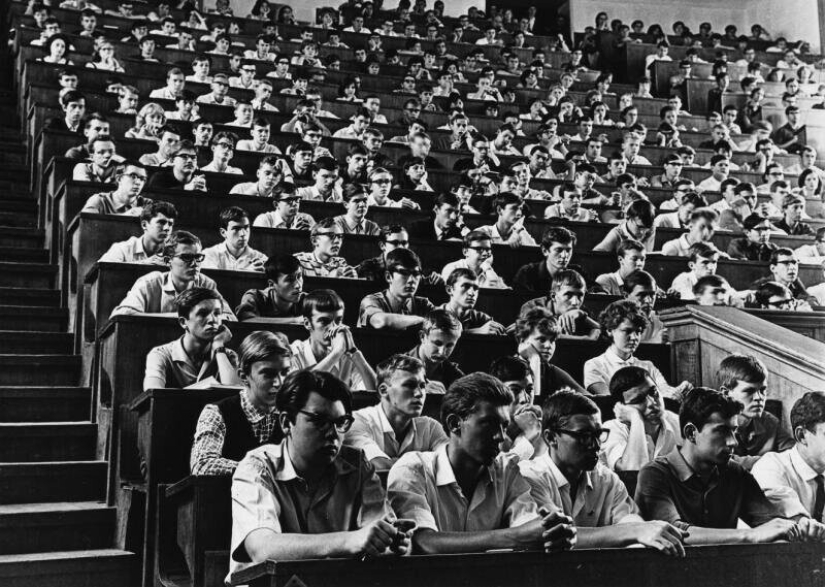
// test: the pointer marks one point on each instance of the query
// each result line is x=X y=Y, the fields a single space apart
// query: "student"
x=157 y=220
x=182 y=173
x=168 y=141
x=681 y=188
x=323 y=260
x=632 y=256
x=349 y=520
x=201 y=352
x=784 y=267
x=280 y=302
x=793 y=208
x=755 y=245
x=478 y=259
x=380 y=183
x=231 y=427
x=675 y=488
x=712 y=290
x=438 y=336
x=155 y=292
x=355 y=221
x=569 y=478
x=570 y=209
x=103 y=164
x=330 y=346
x=397 y=307
x=270 y=182
x=445 y=224
x=234 y=253
x=73 y=104
x=201 y=65
x=95 y=126
x=557 y=245
x=223 y=149
x=175 y=82
x=793 y=480
x=744 y=378
x=640 y=287
x=360 y=122
x=509 y=228
x=396 y=426
x=703 y=260
x=643 y=429
x=622 y=323
x=220 y=92
x=286 y=214
x=436 y=489
x=259 y=143
x=536 y=332
x=462 y=289
x=565 y=300
x=325 y=178
x=126 y=198
x=638 y=225
x=688 y=203
x=355 y=169
x=523 y=434
x=720 y=170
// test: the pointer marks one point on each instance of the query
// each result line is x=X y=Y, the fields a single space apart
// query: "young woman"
x=150 y=118
x=104 y=58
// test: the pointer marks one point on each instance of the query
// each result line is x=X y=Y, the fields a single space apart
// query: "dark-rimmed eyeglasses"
x=341 y=425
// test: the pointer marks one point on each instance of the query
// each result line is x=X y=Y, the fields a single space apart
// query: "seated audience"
x=234 y=253
x=446 y=223
x=437 y=489
x=281 y=301
x=270 y=174
x=350 y=519
x=326 y=238
x=230 y=428
x=325 y=178
x=509 y=228
x=155 y=292
x=355 y=221
x=755 y=245
x=286 y=213
x=200 y=353
x=223 y=149
x=182 y=173
x=523 y=435
x=557 y=248
x=703 y=260
x=157 y=221
x=330 y=346
x=395 y=426
x=259 y=141
x=463 y=290
x=168 y=141
x=700 y=230
x=793 y=208
x=784 y=267
x=478 y=259
x=564 y=301
x=640 y=287
x=103 y=164
x=126 y=198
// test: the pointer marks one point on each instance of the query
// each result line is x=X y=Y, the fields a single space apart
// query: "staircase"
x=55 y=526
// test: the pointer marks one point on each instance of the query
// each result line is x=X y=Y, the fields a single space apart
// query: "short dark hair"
x=536 y=318
x=232 y=214
x=808 y=411
x=700 y=403
x=568 y=277
x=294 y=393
x=617 y=312
x=465 y=393
x=279 y=265
x=643 y=210
x=636 y=278
x=509 y=368
x=557 y=234
x=780 y=252
x=261 y=345
x=186 y=301
x=559 y=407
x=179 y=237
x=402 y=259
x=321 y=300
x=738 y=367
x=158 y=207
x=441 y=320
x=397 y=362
x=626 y=378
x=708 y=281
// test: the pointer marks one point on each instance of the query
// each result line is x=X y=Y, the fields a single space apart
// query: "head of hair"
x=232 y=214
x=769 y=289
x=617 y=312
x=561 y=406
x=158 y=207
x=642 y=210
x=509 y=368
x=808 y=411
x=567 y=278
x=536 y=318
x=321 y=300
x=402 y=259
x=736 y=367
x=700 y=403
x=397 y=362
x=464 y=395
x=187 y=301
x=276 y=266
x=624 y=379
x=296 y=388
x=179 y=237
x=637 y=278
x=260 y=346
x=557 y=234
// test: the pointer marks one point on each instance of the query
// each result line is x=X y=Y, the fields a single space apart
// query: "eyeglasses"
x=136 y=176
x=382 y=181
x=335 y=236
x=341 y=425
x=398 y=243
x=781 y=303
x=191 y=258
x=407 y=272
x=186 y=156
x=481 y=249
x=587 y=438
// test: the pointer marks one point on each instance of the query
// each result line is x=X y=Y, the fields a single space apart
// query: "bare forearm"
x=264 y=545
x=432 y=542
x=394 y=321
x=698 y=536
x=365 y=371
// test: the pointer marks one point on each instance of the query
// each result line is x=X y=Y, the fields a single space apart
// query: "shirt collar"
x=444 y=474
x=286 y=470
x=179 y=354
x=169 y=288
x=558 y=477
x=679 y=465
x=613 y=357
x=253 y=414
x=802 y=468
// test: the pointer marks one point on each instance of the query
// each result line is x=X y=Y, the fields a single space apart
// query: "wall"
x=789 y=18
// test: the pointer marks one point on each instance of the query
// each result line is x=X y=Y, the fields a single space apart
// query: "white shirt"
x=163 y=94
x=600 y=369
x=219 y=257
x=678 y=247
x=488 y=278
x=249 y=145
x=709 y=184
x=304 y=358
x=275 y=220
x=788 y=482
x=524 y=238
x=130 y=251
x=372 y=433
x=229 y=169
x=669 y=437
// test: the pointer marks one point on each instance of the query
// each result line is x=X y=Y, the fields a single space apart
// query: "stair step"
x=38 y=442
x=21 y=237
x=33 y=319
x=27 y=274
x=61 y=526
x=45 y=404
x=24 y=254
x=36 y=342
x=29 y=296
x=45 y=370
x=52 y=481
x=75 y=568
x=18 y=219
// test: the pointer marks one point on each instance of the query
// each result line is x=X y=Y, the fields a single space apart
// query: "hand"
x=526 y=349
x=373 y=539
x=643 y=182
x=567 y=321
x=683 y=388
x=198 y=183
x=492 y=327
x=301 y=223
x=222 y=338
x=338 y=336
x=351 y=348
x=528 y=419
x=559 y=531
x=811 y=530
x=256 y=265
x=663 y=537
x=628 y=413
x=435 y=387
x=776 y=529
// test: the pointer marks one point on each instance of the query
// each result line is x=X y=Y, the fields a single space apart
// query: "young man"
x=175 y=81
x=700 y=231
x=397 y=307
x=688 y=203
x=720 y=170
x=557 y=247
x=102 y=167
x=355 y=221
x=744 y=378
x=570 y=208
x=286 y=214
x=231 y=427
x=632 y=256
x=73 y=104
x=643 y=429
x=326 y=238
x=564 y=301
x=478 y=259
x=436 y=489
x=201 y=65
x=330 y=346
x=220 y=92
x=569 y=478
x=280 y=302
x=223 y=149
x=324 y=188
x=699 y=488
x=95 y=125
x=462 y=289
x=523 y=434
x=201 y=352
x=270 y=184
x=640 y=287
x=638 y=225
x=396 y=426
x=438 y=336
x=793 y=209
x=350 y=517
x=126 y=198
x=168 y=140
x=234 y=253
x=509 y=228
x=360 y=122
x=445 y=224
x=703 y=260
x=157 y=220
x=182 y=173
x=793 y=480
x=755 y=245
x=259 y=143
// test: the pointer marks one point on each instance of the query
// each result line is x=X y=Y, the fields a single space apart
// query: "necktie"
x=819 y=501
x=358 y=229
